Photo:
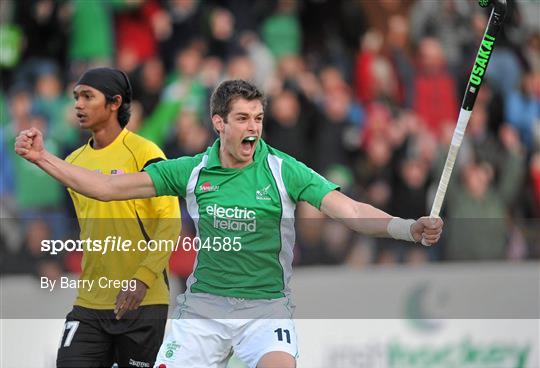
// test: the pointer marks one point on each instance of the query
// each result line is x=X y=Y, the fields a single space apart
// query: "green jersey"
x=250 y=211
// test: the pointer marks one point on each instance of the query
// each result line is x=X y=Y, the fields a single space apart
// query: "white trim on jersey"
x=286 y=226
x=193 y=210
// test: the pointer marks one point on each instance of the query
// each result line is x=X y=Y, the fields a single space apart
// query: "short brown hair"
x=228 y=91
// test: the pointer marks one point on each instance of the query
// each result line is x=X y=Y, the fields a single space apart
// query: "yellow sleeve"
x=160 y=217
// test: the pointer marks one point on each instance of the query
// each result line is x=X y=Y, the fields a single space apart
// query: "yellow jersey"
x=117 y=236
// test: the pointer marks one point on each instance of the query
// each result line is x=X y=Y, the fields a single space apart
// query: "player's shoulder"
x=140 y=144
x=73 y=155
x=198 y=158
x=143 y=150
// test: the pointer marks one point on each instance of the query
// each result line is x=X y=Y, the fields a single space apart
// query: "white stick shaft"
x=443 y=182
x=457 y=138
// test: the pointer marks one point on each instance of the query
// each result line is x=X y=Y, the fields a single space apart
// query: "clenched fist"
x=427 y=229
x=29 y=145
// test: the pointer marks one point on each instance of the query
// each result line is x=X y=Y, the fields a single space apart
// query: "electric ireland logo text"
x=233 y=218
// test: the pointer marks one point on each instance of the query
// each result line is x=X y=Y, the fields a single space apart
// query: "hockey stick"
x=473 y=86
x=477 y=74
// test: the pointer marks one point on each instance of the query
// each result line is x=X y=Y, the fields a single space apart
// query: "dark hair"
x=228 y=91
x=124 y=111
x=111 y=82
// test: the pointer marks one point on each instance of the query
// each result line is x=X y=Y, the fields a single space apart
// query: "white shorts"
x=208 y=329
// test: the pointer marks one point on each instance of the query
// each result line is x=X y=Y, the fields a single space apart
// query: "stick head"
x=484 y=3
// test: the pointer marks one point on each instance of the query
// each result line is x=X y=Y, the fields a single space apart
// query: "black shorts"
x=94 y=338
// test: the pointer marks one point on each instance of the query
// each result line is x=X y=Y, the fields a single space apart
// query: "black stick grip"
x=478 y=71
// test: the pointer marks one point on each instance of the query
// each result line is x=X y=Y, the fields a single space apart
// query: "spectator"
x=409 y=196
x=523 y=108
x=222 y=42
x=504 y=70
x=534 y=172
x=377 y=13
x=435 y=92
x=531 y=52
x=45 y=25
x=398 y=50
x=260 y=56
x=332 y=130
x=332 y=80
x=494 y=104
x=371 y=64
x=281 y=30
x=138 y=28
x=11 y=47
x=185 y=91
x=373 y=171
x=446 y=20
x=136 y=118
x=10 y=232
x=330 y=32
x=247 y=15
x=41 y=214
x=50 y=98
x=189 y=136
x=148 y=84
x=477 y=207
x=287 y=125
x=90 y=48
x=479 y=143
x=240 y=66
x=186 y=22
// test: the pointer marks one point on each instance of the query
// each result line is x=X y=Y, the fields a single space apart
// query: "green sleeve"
x=304 y=184
x=170 y=177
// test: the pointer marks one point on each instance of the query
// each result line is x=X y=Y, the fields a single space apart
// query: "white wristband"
x=400 y=229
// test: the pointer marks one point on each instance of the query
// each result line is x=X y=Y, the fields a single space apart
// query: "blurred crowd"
x=365 y=92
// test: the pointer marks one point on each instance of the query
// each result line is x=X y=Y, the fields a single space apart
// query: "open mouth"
x=81 y=117
x=248 y=143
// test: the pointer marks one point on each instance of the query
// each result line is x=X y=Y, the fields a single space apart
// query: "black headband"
x=110 y=82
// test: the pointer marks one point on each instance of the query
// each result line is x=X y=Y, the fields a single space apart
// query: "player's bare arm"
x=29 y=145
x=366 y=219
